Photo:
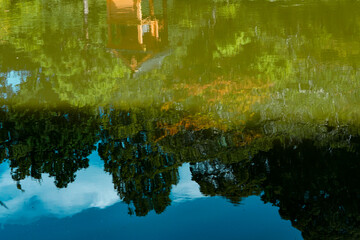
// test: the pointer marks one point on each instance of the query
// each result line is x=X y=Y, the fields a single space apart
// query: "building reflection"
x=137 y=31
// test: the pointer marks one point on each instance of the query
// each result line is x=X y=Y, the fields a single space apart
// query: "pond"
x=173 y=119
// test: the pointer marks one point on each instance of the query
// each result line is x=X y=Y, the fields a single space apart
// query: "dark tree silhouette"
x=142 y=172
x=56 y=142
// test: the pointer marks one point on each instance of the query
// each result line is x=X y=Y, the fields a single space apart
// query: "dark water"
x=169 y=119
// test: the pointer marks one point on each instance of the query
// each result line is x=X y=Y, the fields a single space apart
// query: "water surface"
x=191 y=119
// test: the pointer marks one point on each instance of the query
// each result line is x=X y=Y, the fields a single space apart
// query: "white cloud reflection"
x=92 y=188
x=186 y=189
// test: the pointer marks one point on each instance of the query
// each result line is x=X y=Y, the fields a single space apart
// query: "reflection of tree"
x=233 y=181
x=142 y=172
x=47 y=141
x=68 y=57
x=233 y=54
x=195 y=144
x=224 y=64
x=317 y=189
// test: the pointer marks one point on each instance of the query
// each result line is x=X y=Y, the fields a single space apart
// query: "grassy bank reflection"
x=223 y=61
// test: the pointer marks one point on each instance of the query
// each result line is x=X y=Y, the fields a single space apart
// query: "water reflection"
x=41 y=198
x=316 y=190
x=313 y=185
x=136 y=32
x=41 y=141
x=142 y=171
x=251 y=97
x=223 y=60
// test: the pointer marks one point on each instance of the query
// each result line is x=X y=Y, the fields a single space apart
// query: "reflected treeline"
x=314 y=187
x=55 y=142
x=314 y=183
x=233 y=181
x=252 y=94
x=143 y=173
x=317 y=189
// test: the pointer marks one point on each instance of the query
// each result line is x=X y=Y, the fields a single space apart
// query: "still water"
x=173 y=119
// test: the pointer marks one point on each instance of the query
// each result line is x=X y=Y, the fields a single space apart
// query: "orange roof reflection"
x=133 y=34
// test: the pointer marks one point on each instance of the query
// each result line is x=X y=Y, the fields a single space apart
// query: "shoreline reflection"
x=307 y=180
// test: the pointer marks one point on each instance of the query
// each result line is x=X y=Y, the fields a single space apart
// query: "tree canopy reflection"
x=314 y=185
x=55 y=142
x=143 y=173
x=221 y=59
x=255 y=110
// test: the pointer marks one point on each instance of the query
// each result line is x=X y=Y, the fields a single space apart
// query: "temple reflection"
x=137 y=31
